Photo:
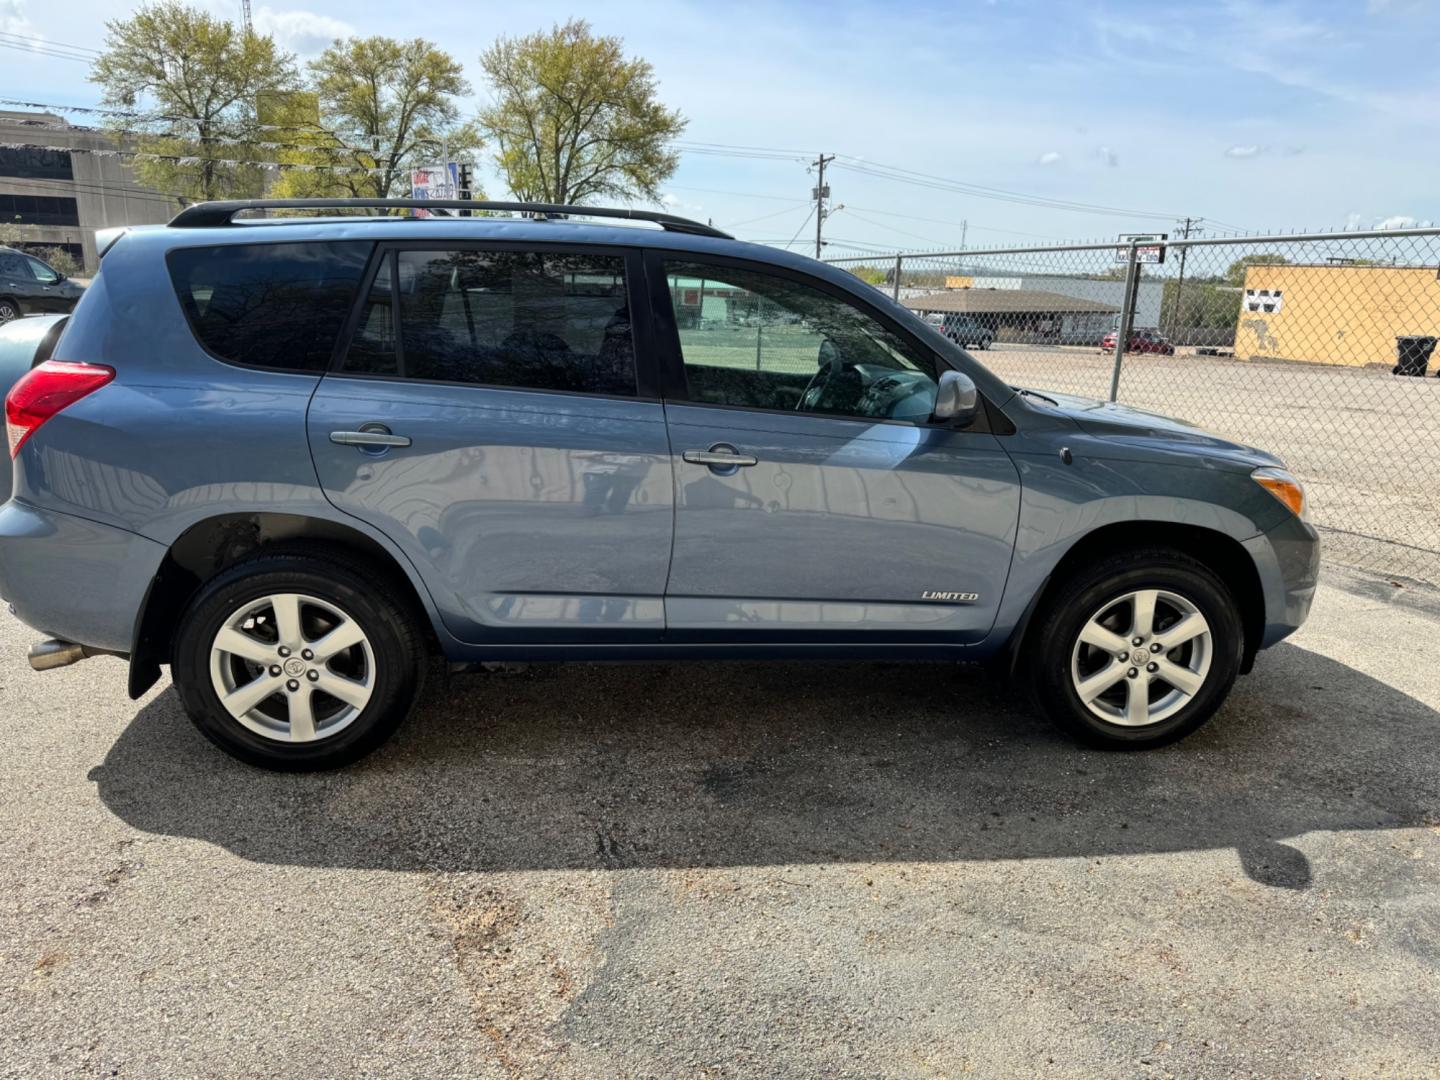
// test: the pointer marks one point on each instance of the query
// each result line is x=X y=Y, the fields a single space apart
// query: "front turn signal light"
x=1283 y=486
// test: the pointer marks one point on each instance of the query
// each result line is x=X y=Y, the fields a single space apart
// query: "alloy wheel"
x=292 y=668
x=1141 y=657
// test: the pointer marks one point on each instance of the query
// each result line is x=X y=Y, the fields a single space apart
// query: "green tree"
x=1235 y=272
x=871 y=275
x=388 y=105
x=574 y=119
x=201 y=76
x=314 y=161
x=1206 y=304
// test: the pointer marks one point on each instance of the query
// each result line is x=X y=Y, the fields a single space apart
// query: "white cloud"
x=1108 y=156
x=1050 y=157
x=12 y=17
x=304 y=32
x=1396 y=221
x=1244 y=151
x=675 y=204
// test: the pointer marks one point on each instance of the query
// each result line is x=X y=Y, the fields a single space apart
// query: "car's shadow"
x=771 y=763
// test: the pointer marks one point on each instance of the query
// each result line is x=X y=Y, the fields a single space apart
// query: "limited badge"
x=951 y=597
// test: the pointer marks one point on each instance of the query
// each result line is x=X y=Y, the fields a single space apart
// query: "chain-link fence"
x=1315 y=347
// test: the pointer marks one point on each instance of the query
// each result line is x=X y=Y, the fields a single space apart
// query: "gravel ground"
x=777 y=870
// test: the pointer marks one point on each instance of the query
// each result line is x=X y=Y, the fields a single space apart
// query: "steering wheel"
x=829 y=361
x=814 y=391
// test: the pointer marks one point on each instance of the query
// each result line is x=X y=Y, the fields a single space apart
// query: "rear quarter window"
x=277 y=306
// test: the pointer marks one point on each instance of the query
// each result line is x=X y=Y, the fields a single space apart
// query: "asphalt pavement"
x=757 y=870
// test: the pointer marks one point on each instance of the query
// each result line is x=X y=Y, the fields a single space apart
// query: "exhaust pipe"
x=54 y=653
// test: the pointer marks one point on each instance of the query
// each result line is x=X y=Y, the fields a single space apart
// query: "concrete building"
x=1107 y=291
x=61 y=197
x=1347 y=315
x=1029 y=315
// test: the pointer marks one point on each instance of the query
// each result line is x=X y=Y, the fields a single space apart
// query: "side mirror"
x=956 y=399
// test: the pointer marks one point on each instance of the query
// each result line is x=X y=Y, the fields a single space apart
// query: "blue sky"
x=1257 y=115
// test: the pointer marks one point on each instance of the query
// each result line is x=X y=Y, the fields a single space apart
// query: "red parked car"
x=1141 y=341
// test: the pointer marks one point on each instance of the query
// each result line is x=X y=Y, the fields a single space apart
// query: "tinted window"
x=500 y=318
x=41 y=272
x=39 y=210
x=35 y=163
x=269 y=305
x=766 y=342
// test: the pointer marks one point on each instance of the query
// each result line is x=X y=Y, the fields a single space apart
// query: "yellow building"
x=1335 y=314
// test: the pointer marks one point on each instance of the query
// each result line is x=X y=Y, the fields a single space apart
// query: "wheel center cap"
x=294 y=666
x=1140 y=658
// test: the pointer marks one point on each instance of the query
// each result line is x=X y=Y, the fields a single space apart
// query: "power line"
x=949 y=221
x=738 y=194
x=798 y=231
x=49 y=43
x=36 y=50
x=890 y=228
x=131 y=114
x=940 y=183
x=765 y=217
x=195 y=159
x=94 y=187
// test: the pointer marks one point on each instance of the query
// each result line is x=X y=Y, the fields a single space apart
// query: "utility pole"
x=1188 y=226
x=245 y=14
x=820 y=194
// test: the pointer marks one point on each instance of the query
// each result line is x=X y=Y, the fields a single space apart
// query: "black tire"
x=9 y=310
x=390 y=625
x=1052 y=645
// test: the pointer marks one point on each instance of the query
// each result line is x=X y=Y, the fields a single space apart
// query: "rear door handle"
x=368 y=438
x=722 y=458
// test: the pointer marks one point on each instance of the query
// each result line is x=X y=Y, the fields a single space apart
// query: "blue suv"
x=295 y=457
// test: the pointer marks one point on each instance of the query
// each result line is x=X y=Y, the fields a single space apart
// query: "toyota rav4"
x=295 y=458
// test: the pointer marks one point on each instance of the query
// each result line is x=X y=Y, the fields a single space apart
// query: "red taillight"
x=46 y=390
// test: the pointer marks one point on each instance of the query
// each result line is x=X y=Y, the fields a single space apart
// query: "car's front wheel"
x=9 y=309
x=295 y=661
x=1138 y=649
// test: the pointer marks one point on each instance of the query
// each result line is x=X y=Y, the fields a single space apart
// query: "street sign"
x=1150 y=247
x=434 y=182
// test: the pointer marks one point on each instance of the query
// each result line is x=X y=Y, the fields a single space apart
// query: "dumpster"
x=1413 y=355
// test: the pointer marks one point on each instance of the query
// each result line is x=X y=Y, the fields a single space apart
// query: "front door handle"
x=368 y=438
x=724 y=459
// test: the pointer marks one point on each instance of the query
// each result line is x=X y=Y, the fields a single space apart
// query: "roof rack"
x=211 y=214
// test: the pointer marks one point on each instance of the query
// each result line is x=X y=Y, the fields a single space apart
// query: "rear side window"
x=269 y=305
x=523 y=319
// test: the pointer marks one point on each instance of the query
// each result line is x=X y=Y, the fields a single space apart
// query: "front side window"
x=269 y=305
x=761 y=341
x=42 y=271
x=522 y=319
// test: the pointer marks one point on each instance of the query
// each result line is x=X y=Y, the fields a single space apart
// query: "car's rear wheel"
x=1137 y=650
x=9 y=309
x=293 y=661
